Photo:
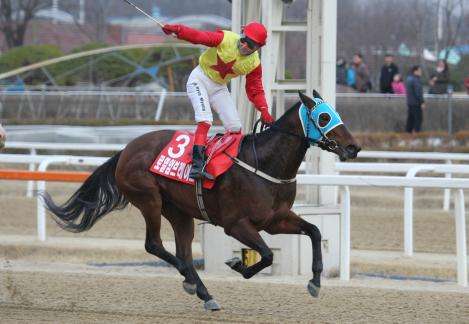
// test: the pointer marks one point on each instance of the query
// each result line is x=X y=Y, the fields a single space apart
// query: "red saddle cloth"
x=175 y=161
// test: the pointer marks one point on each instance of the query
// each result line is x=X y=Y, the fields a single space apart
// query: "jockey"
x=228 y=56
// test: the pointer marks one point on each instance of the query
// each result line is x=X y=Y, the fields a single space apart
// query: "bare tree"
x=97 y=12
x=15 y=15
x=450 y=23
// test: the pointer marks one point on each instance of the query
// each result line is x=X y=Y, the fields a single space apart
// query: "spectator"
x=398 y=86
x=362 y=76
x=466 y=84
x=415 y=102
x=351 y=77
x=3 y=137
x=341 y=73
x=388 y=71
x=440 y=79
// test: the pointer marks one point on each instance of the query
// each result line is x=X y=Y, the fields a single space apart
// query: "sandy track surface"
x=34 y=289
x=72 y=293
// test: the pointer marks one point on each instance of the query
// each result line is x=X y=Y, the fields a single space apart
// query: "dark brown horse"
x=241 y=202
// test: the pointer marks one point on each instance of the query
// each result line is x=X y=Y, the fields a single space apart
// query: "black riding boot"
x=198 y=161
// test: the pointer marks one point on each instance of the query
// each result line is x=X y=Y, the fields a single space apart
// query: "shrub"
x=26 y=55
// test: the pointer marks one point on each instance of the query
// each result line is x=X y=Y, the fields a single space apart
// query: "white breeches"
x=206 y=94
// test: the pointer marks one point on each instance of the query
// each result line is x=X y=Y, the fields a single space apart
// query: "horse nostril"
x=352 y=150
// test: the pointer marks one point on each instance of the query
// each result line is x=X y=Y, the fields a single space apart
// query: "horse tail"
x=96 y=197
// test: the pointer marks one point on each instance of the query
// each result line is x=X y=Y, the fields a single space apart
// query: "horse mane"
x=278 y=122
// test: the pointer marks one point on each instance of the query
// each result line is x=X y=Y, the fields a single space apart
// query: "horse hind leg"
x=183 y=226
x=150 y=206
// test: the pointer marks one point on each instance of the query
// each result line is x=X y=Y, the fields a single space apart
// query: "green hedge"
x=26 y=55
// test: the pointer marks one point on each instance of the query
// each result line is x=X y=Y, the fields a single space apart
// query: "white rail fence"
x=411 y=170
x=344 y=181
x=33 y=147
x=44 y=162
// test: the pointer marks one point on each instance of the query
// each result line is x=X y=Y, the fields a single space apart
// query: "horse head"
x=324 y=127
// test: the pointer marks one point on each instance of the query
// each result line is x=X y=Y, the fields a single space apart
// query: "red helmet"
x=256 y=31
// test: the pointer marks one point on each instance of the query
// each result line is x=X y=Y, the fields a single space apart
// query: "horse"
x=242 y=201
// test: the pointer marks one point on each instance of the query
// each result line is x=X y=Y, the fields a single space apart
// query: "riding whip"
x=143 y=12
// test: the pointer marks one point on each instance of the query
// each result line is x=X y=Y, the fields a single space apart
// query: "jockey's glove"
x=171 y=29
x=265 y=116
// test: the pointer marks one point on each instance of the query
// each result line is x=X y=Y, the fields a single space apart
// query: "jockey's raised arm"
x=195 y=36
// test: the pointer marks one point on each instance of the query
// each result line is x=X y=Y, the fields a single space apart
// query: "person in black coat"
x=415 y=101
x=341 y=72
x=388 y=71
x=440 y=79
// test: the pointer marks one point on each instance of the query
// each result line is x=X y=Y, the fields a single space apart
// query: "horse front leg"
x=245 y=232
x=293 y=224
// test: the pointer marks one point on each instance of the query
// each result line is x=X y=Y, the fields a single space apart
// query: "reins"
x=323 y=143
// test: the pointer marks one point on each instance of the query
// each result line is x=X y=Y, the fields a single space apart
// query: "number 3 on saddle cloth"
x=175 y=160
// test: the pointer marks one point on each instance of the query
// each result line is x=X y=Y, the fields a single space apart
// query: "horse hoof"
x=313 y=289
x=233 y=262
x=189 y=288
x=212 y=305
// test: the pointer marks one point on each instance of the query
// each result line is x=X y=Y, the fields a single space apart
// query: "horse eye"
x=324 y=119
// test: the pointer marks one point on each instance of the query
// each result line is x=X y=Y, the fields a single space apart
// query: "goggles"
x=252 y=45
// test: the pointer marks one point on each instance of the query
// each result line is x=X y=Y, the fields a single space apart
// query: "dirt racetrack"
x=62 y=293
x=62 y=286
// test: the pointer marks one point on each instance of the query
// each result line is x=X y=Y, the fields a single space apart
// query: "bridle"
x=324 y=142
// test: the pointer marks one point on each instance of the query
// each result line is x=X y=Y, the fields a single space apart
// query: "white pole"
x=55 y=10
x=41 y=213
x=159 y=108
x=32 y=167
x=81 y=16
x=409 y=210
x=345 y=235
x=460 y=220
x=408 y=221
x=327 y=79
x=447 y=196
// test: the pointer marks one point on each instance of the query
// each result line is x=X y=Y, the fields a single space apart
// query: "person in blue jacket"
x=415 y=101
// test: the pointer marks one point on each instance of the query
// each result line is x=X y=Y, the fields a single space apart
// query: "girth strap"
x=200 y=200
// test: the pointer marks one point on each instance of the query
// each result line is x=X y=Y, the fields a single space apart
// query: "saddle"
x=175 y=160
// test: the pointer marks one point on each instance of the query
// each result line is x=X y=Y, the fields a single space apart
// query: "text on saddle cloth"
x=175 y=160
